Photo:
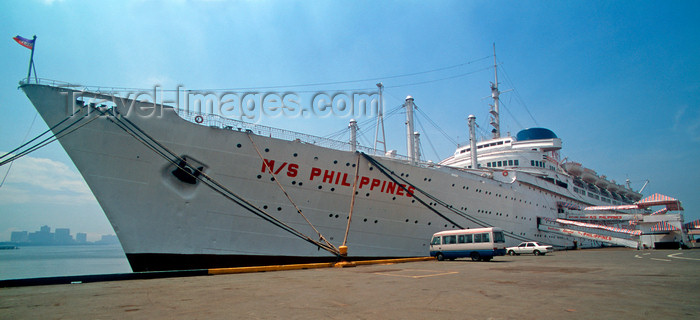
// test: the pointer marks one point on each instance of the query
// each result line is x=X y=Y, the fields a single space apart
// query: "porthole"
x=295 y=154
x=238 y=145
x=332 y=189
x=259 y=176
x=267 y=149
x=265 y=207
x=279 y=208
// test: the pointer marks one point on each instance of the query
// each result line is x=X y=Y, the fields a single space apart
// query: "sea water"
x=52 y=261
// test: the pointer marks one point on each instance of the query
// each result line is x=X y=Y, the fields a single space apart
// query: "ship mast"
x=472 y=141
x=495 y=120
x=410 y=143
x=380 y=121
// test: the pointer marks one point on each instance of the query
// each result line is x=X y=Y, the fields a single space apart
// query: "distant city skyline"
x=60 y=236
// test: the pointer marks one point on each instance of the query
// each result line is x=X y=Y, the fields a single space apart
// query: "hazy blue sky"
x=616 y=80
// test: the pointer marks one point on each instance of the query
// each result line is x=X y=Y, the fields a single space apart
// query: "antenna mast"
x=380 y=121
x=495 y=120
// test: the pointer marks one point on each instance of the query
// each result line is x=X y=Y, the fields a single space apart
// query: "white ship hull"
x=163 y=223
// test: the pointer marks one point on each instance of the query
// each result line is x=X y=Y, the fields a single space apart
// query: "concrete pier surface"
x=611 y=283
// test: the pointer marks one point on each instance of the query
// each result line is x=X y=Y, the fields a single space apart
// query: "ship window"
x=488 y=164
x=463 y=151
x=516 y=162
x=532 y=163
x=499 y=163
x=510 y=162
x=500 y=143
x=479 y=147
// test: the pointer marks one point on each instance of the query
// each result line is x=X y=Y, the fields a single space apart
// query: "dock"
x=609 y=283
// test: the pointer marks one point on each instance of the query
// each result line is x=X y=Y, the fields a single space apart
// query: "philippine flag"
x=29 y=44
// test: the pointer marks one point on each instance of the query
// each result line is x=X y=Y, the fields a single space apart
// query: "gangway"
x=623 y=237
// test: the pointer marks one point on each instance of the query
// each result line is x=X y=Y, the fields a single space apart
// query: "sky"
x=617 y=81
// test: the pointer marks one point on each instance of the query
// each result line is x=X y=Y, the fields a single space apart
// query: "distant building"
x=81 y=237
x=62 y=236
x=19 y=236
x=43 y=236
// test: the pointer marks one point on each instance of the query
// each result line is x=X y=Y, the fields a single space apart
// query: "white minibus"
x=479 y=244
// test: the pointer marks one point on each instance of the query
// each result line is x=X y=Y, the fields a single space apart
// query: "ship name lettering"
x=345 y=179
x=292 y=168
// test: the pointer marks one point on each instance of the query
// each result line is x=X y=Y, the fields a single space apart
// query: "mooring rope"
x=274 y=177
x=383 y=169
x=137 y=133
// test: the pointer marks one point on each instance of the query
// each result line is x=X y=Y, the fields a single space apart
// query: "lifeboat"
x=574 y=168
x=602 y=182
x=589 y=176
x=634 y=195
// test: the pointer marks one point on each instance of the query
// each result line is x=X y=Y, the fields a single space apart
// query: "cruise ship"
x=186 y=190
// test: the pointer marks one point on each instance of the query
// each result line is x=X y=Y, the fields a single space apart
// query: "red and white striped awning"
x=658 y=199
x=604 y=208
x=568 y=205
x=655 y=199
x=662 y=211
x=663 y=226
x=596 y=226
x=692 y=225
